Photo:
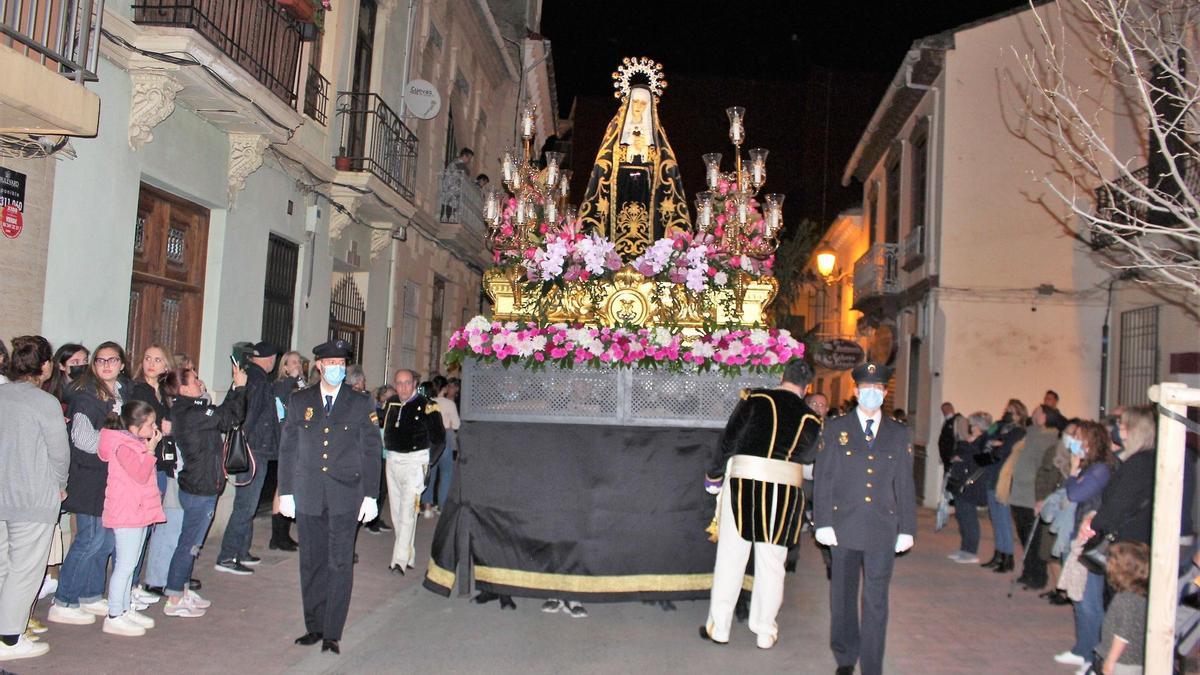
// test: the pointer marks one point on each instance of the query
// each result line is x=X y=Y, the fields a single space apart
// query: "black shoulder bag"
x=1095 y=551
x=238 y=458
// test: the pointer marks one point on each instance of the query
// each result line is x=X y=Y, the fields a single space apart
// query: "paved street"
x=945 y=618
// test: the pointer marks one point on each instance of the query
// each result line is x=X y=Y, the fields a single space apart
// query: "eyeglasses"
x=110 y=361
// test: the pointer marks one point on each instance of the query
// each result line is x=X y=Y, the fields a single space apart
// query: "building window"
x=279 y=291
x=920 y=166
x=435 y=35
x=436 y=321
x=891 y=232
x=408 y=325
x=461 y=83
x=1138 y=368
x=872 y=212
x=348 y=315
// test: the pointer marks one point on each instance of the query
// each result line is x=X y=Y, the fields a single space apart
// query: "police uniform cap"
x=871 y=373
x=334 y=349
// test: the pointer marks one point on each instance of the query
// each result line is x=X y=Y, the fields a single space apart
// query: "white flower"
x=704 y=349
x=720 y=278
x=695 y=279
x=759 y=336
x=662 y=337
x=596 y=347
x=479 y=325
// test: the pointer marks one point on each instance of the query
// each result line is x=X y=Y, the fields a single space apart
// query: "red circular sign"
x=11 y=222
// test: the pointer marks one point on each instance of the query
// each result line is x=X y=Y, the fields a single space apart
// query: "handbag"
x=1094 y=555
x=237 y=456
x=165 y=453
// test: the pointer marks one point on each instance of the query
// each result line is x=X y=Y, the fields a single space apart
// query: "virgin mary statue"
x=635 y=194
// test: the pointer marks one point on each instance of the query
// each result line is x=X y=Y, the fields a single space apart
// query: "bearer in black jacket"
x=758 y=474
x=328 y=478
x=865 y=508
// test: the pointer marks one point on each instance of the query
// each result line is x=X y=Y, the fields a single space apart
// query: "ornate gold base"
x=630 y=299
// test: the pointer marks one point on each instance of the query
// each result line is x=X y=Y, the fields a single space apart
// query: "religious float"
x=594 y=396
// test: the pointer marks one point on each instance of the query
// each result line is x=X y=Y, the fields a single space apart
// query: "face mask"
x=870 y=399
x=1007 y=419
x=1074 y=445
x=334 y=375
x=76 y=372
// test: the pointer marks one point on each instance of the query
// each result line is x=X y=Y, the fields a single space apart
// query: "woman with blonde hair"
x=290 y=378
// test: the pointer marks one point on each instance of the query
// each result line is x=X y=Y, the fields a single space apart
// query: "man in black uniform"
x=328 y=478
x=758 y=475
x=414 y=437
x=865 y=508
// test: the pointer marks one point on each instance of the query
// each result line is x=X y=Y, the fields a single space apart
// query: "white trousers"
x=767 y=595
x=405 y=481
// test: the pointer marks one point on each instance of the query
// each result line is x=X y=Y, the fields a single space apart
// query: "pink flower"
x=539 y=357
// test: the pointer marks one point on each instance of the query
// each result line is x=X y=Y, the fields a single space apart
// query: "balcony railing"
x=877 y=273
x=256 y=34
x=460 y=200
x=376 y=141
x=63 y=35
x=1127 y=200
x=316 y=96
x=914 y=248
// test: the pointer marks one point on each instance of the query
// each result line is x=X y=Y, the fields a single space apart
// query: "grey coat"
x=1026 y=467
x=34 y=454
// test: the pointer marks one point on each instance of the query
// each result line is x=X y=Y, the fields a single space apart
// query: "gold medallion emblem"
x=308 y=414
x=843 y=438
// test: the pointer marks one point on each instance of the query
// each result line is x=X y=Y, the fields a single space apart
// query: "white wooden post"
x=1164 y=545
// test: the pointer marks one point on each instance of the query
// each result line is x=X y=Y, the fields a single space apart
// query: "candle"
x=737 y=130
x=564 y=183
x=758 y=167
x=704 y=211
x=712 y=169
x=508 y=167
x=527 y=124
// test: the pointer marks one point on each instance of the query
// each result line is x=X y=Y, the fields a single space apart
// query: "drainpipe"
x=408 y=47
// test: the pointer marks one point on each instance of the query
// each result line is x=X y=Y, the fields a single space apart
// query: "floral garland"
x=729 y=351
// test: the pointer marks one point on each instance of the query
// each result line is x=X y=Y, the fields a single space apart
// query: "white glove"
x=826 y=537
x=903 y=542
x=287 y=506
x=369 y=510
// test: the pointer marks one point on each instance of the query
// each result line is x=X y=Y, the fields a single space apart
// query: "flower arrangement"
x=729 y=351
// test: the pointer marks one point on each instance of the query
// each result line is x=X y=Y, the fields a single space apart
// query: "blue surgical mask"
x=870 y=399
x=1074 y=445
x=333 y=375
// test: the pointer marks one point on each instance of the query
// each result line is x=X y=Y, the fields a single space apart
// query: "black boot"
x=281 y=539
x=994 y=561
x=1006 y=564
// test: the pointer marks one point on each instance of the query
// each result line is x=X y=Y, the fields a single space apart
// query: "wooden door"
x=166 y=296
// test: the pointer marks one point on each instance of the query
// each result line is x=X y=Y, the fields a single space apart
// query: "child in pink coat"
x=131 y=504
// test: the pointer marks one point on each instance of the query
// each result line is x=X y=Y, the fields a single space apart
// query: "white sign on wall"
x=422 y=99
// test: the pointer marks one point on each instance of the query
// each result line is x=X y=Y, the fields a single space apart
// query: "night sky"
x=809 y=74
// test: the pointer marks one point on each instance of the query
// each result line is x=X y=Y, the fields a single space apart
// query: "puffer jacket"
x=262 y=416
x=131 y=498
x=197 y=426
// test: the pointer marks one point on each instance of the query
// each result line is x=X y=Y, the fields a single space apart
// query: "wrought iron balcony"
x=460 y=200
x=914 y=248
x=876 y=275
x=375 y=140
x=316 y=96
x=63 y=35
x=255 y=34
x=1127 y=200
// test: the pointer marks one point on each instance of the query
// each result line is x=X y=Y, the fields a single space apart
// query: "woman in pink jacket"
x=131 y=504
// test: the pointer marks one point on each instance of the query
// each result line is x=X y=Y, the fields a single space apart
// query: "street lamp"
x=827 y=266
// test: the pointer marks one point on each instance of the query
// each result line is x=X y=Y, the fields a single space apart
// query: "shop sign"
x=839 y=354
x=11 y=221
x=12 y=189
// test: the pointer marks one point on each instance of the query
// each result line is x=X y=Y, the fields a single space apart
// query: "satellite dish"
x=422 y=99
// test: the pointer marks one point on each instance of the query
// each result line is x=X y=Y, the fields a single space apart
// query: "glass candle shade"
x=704 y=211
x=712 y=169
x=758 y=167
x=737 y=121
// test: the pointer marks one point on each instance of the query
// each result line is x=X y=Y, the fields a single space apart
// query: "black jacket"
x=262 y=417
x=946 y=440
x=88 y=476
x=141 y=391
x=197 y=426
x=412 y=425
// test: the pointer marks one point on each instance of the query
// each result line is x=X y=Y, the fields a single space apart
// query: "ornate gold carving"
x=632 y=234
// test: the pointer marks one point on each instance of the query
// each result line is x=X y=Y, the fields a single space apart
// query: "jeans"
x=197 y=516
x=83 y=573
x=240 y=528
x=1089 y=617
x=128 y=550
x=1002 y=528
x=440 y=474
x=967 y=516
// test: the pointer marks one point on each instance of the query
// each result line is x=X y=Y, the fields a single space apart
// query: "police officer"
x=414 y=438
x=865 y=508
x=758 y=475
x=328 y=478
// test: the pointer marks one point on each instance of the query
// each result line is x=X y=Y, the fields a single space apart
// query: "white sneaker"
x=552 y=606
x=97 y=607
x=123 y=625
x=1084 y=669
x=49 y=586
x=967 y=558
x=766 y=641
x=193 y=598
x=956 y=555
x=140 y=595
x=575 y=609
x=140 y=619
x=71 y=615
x=182 y=609
x=24 y=649
x=1069 y=658
x=426 y=513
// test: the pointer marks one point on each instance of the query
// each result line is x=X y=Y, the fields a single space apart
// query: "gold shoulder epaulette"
x=745 y=394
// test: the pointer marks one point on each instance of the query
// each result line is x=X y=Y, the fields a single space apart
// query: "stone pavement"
x=945 y=618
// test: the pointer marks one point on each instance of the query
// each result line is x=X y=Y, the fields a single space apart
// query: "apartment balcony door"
x=166 y=296
x=348 y=315
x=360 y=81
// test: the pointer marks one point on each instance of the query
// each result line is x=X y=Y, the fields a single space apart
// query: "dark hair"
x=1051 y=392
x=439 y=382
x=90 y=382
x=3 y=353
x=1128 y=567
x=1098 y=443
x=58 y=378
x=798 y=372
x=28 y=354
x=133 y=414
x=482 y=176
x=426 y=389
x=466 y=151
